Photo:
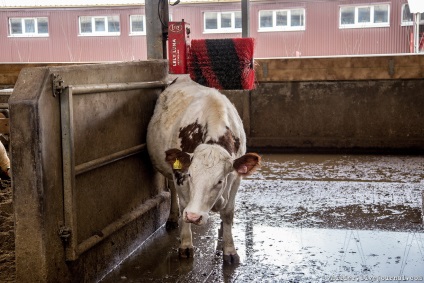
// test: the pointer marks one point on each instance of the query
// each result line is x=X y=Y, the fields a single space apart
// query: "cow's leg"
x=227 y=215
x=172 y=222
x=186 y=249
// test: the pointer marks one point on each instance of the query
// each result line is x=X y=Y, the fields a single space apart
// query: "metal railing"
x=70 y=170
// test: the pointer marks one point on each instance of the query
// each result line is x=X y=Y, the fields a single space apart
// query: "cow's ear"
x=178 y=159
x=247 y=164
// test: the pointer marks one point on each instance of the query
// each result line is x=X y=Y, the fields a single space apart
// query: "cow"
x=4 y=162
x=196 y=138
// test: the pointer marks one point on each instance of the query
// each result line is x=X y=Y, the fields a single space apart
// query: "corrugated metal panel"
x=73 y=3
x=193 y=14
x=65 y=45
x=322 y=36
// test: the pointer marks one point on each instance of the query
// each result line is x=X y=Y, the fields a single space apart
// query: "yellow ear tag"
x=177 y=165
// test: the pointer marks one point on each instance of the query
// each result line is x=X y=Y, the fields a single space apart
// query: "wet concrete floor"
x=305 y=218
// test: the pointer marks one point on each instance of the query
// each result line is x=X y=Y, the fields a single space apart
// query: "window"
x=364 y=16
x=99 y=25
x=137 y=24
x=28 y=27
x=408 y=17
x=222 y=22
x=282 y=20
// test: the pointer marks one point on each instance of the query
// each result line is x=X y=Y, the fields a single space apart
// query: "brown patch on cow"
x=227 y=141
x=174 y=154
x=247 y=164
x=179 y=177
x=184 y=159
x=236 y=143
x=191 y=136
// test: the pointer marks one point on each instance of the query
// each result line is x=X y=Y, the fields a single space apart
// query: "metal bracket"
x=391 y=68
x=265 y=70
x=65 y=233
x=57 y=85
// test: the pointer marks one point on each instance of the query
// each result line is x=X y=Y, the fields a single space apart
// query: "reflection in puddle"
x=306 y=218
x=314 y=254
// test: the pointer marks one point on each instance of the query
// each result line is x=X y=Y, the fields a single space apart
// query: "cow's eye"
x=219 y=182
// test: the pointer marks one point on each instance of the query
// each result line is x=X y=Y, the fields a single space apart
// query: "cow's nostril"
x=193 y=217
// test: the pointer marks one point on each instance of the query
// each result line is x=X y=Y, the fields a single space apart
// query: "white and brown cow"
x=196 y=138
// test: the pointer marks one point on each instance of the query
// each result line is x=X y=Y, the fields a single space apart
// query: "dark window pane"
x=211 y=21
x=42 y=25
x=85 y=23
x=297 y=18
x=347 y=15
x=137 y=24
x=237 y=16
x=265 y=19
x=364 y=15
x=381 y=14
x=281 y=18
x=99 y=25
x=29 y=25
x=113 y=24
x=16 y=26
x=225 y=20
x=406 y=16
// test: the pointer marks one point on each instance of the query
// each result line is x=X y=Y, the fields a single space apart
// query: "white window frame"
x=144 y=25
x=99 y=33
x=24 y=32
x=289 y=26
x=220 y=29
x=409 y=23
x=357 y=24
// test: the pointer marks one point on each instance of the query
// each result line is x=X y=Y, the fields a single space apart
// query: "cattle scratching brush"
x=222 y=63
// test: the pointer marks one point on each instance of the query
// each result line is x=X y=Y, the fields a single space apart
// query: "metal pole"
x=102 y=161
x=99 y=88
x=148 y=205
x=245 y=18
x=422 y=206
x=157 y=17
x=416 y=32
x=164 y=12
x=66 y=113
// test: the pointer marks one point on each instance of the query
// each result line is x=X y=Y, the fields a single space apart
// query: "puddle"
x=305 y=218
x=315 y=255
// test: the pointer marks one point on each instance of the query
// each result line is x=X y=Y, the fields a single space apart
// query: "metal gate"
x=85 y=191
x=71 y=171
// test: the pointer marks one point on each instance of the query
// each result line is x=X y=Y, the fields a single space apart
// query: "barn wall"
x=113 y=208
x=322 y=36
x=64 y=44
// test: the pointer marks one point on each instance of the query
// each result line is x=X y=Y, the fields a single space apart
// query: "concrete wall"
x=335 y=104
x=371 y=115
x=104 y=123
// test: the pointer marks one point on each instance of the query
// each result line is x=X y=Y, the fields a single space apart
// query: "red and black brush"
x=222 y=63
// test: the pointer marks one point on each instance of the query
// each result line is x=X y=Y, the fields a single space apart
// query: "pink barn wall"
x=322 y=36
x=64 y=44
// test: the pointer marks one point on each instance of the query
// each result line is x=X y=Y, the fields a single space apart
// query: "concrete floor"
x=305 y=218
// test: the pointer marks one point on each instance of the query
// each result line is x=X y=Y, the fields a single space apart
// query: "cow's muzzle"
x=193 y=218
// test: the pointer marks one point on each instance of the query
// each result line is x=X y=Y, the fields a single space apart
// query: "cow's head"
x=205 y=173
